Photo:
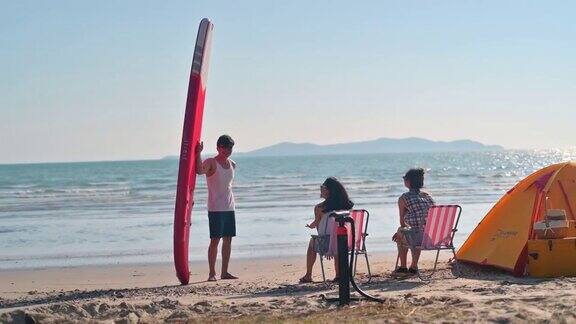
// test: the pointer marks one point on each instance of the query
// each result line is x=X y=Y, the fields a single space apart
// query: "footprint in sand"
x=169 y=303
x=488 y=291
x=67 y=309
x=92 y=309
x=301 y=302
x=179 y=315
x=198 y=309
x=124 y=305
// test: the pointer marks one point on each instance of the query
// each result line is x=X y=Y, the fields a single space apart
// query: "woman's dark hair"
x=338 y=198
x=416 y=178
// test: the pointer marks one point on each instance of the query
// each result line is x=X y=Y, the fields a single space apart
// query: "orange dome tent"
x=501 y=239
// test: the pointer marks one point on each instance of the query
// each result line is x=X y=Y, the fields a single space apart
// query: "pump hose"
x=360 y=291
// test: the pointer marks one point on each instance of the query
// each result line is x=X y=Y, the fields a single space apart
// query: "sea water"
x=66 y=214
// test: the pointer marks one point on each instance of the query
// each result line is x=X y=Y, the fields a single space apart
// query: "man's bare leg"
x=226 y=250
x=212 y=253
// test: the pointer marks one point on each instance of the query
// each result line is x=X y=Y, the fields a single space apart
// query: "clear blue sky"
x=106 y=80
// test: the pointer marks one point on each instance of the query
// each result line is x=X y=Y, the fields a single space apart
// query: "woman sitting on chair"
x=335 y=199
x=413 y=207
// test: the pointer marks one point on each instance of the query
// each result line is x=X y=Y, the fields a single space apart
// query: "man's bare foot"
x=212 y=277
x=227 y=276
x=306 y=279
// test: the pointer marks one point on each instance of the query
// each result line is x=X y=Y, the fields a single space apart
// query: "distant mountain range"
x=381 y=145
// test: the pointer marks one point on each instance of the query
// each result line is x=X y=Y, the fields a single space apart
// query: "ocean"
x=96 y=213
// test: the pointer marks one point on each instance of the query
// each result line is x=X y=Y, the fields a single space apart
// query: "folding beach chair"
x=360 y=217
x=326 y=245
x=441 y=225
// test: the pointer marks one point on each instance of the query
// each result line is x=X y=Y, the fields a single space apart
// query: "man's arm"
x=198 y=151
x=202 y=167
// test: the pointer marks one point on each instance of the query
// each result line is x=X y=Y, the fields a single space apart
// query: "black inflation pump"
x=344 y=263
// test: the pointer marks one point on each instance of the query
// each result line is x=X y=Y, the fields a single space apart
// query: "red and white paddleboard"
x=190 y=137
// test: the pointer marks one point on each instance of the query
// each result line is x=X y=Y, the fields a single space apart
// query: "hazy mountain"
x=381 y=145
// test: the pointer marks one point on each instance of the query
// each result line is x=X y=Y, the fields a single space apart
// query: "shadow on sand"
x=486 y=273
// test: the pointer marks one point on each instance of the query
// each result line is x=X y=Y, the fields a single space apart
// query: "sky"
x=107 y=80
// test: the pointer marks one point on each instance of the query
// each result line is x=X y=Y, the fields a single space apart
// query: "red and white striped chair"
x=441 y=225
x=360 y=217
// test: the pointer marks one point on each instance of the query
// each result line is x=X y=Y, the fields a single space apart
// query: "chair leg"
x=436 y=261
x=368 y=266
x=428 y=277
x=355 y=263
x=455 y=267
x=322 y=266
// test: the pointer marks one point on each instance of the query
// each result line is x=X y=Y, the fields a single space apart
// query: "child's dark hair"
x=225 y=141
x=416 y=178
x=338 y=198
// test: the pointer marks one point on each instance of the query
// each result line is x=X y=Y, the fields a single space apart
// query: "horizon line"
x=176 y=157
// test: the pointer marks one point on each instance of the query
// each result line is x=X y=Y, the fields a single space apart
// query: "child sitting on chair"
x=413 y=207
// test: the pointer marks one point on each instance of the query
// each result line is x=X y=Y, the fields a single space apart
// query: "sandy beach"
x=138 y=134
x=268 y=290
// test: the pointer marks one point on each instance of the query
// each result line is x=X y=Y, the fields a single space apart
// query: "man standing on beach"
x=219 y=172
